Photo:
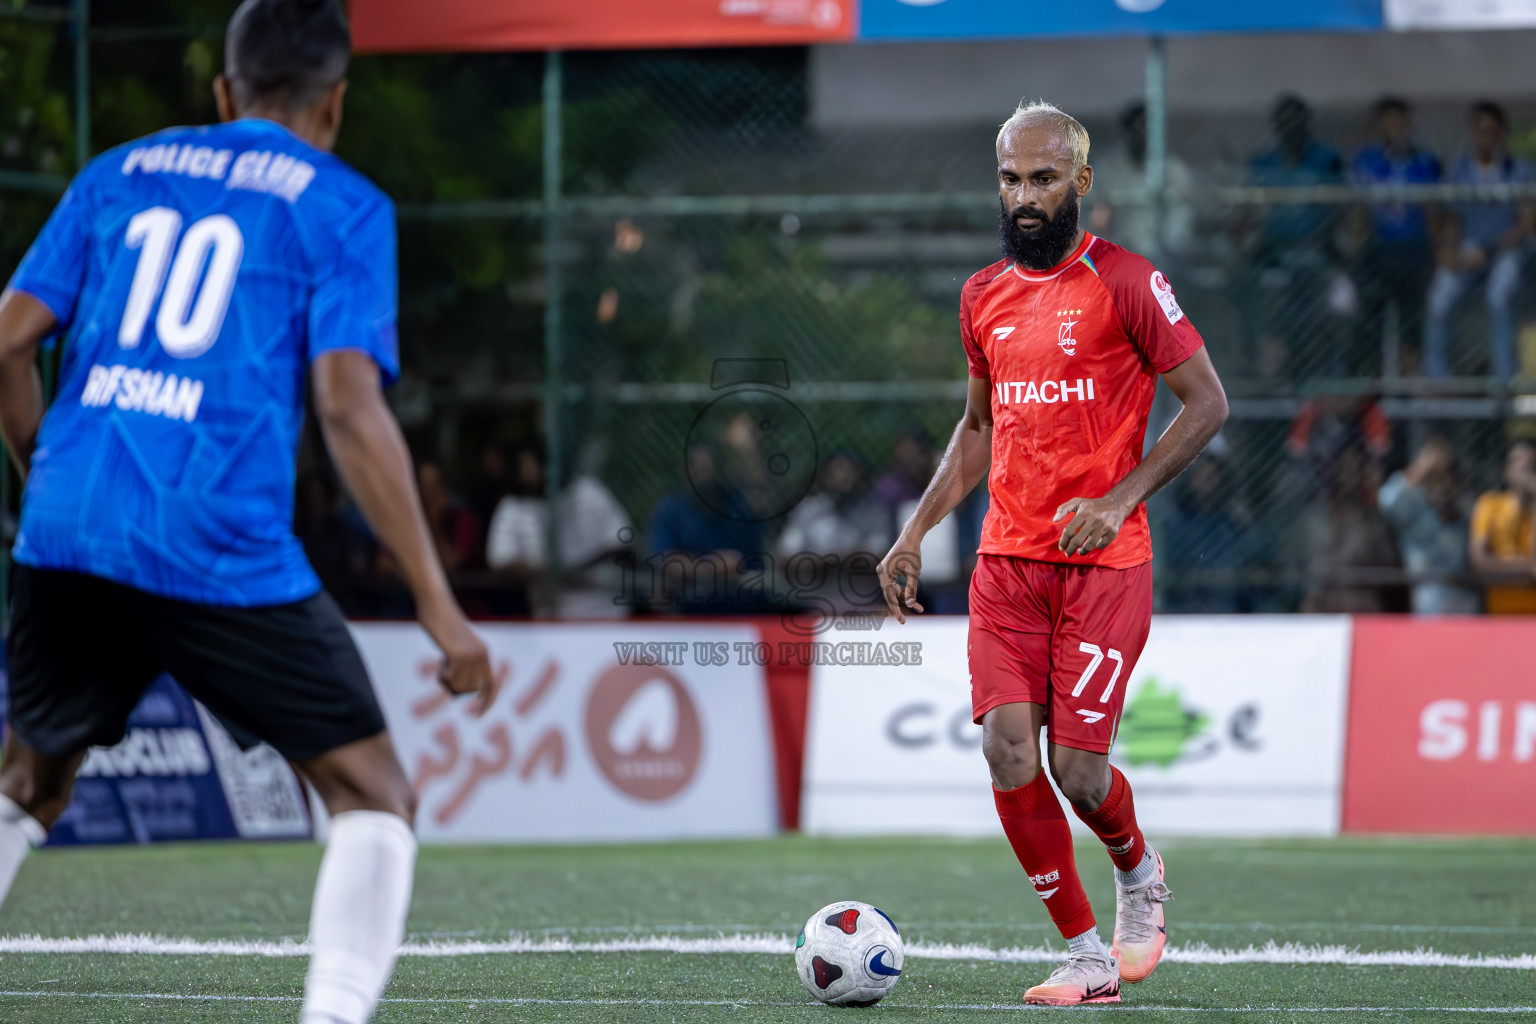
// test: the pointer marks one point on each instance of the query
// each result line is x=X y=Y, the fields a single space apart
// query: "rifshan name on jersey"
x=196 y=273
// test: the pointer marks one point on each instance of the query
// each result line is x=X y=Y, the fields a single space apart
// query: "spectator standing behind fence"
x=1296 y=262
x=517 y=535
x=455 y=537
x=456 y=532
x=338 y=547
x=1483 y=243
x=1503 y=544
x=1209 y=542
x=701 y=538
x=831 y=528
x=911 y=467
x=1424 y=505
x=1351 y=555
x=594 y=530
x=518 y=531
x=1135 y=224
x=1394 y=265
x=492 y=481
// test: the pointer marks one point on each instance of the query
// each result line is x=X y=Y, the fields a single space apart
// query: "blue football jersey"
x=196 y=272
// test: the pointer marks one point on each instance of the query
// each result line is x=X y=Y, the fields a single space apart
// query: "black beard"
x=1049 y=244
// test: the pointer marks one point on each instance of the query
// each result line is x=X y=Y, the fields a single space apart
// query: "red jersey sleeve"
x=1151 y=315
x=975 y=358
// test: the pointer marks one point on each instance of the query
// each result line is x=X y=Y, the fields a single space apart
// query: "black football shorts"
x=83 y=650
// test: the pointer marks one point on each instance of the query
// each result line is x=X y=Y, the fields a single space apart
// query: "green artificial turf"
x=1471 y=897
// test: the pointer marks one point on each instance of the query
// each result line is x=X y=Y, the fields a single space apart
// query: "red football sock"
x=1034 y=824
x=1115 y=824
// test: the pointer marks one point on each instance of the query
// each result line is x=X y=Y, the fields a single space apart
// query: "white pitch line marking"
x=171 y=997
x=913 y=927
x=1234 y=926
x=765 y=943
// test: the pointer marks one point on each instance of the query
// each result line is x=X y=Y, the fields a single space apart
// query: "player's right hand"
x=899 y=571
x=466 y=661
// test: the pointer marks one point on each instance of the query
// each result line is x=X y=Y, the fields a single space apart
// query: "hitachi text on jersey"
x=1017 y=392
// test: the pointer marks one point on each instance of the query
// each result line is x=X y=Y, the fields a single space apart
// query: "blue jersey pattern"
x=196 y=273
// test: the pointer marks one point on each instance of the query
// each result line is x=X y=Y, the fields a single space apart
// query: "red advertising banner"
x=410 y=26
x=1442 y=727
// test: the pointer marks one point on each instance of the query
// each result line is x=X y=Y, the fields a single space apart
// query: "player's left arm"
x=24 y=322
x=40 y=300
x=1097 y=521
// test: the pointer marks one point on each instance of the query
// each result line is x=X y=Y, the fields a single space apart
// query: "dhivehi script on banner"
x=605 y=731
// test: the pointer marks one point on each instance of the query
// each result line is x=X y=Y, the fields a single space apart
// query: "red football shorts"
x=1065 y=636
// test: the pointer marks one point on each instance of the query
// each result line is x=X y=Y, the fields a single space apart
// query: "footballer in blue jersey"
x=198 y=273
x=205 y=280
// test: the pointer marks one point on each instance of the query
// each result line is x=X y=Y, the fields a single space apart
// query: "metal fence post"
x=1156 y=177
x=1154 y=193
x=554 y=377
x=80 y=24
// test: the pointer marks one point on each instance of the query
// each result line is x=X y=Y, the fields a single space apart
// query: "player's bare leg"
x=1102 y=799
x=1037 y=829
x=34 y=790
x=364 y=890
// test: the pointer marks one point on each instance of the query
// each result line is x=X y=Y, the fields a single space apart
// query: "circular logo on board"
x=643 y=731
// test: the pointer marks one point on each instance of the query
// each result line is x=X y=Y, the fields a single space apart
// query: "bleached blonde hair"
x=1048 y=114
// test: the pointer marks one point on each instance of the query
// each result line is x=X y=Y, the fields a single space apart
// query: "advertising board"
x=1231 y=726
x=1460 y=14
x=177 y=775
x=601 y=732
x=996 y=19
x=403 y=26
x=1442 y=726
x=409 y=26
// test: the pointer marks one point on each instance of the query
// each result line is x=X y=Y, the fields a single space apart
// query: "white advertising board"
x=617 y=731
x=1460 y=14
x=1232 y=726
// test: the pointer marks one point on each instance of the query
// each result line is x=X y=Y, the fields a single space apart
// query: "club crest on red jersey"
x=1064 y=330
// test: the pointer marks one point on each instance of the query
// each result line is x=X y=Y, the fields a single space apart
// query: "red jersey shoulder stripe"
x=1144 y=303
x=985 y=276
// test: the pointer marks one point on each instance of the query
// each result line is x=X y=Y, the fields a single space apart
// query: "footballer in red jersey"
x=1066 y=338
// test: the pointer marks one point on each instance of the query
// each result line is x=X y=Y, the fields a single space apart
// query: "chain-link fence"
x=691 y=320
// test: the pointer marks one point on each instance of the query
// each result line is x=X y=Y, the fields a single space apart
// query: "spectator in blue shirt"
x=1297 y=159
x=1483 y=246
x=705 y=539
x=1296 y=263
x=1209 y=540
x=1394 y=266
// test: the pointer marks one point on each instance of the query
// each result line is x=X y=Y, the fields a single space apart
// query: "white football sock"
x=19 y=832
x=358 y=919
x=1143 y=872
x=1088 y=942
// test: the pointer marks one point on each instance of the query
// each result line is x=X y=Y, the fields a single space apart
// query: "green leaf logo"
x=800 y=941
x=1156 y=727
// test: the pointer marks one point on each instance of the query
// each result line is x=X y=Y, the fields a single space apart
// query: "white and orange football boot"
x=1140 y=930
x=1085 y=978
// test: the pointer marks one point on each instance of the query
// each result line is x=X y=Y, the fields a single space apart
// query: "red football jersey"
x=1072 y=355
